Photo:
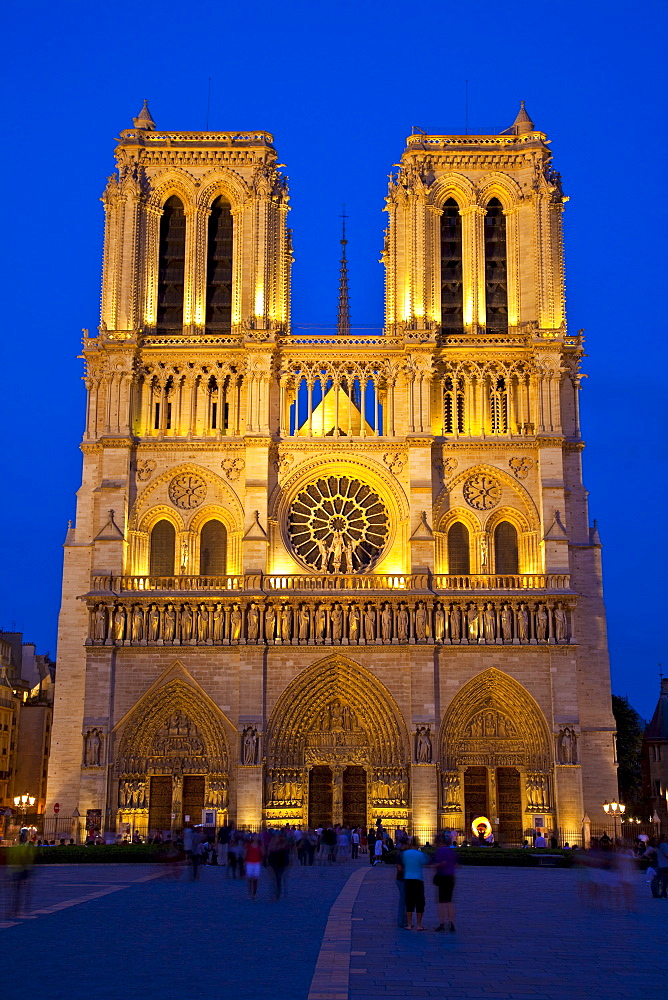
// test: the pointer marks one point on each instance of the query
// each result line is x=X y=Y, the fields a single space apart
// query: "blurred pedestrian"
x=278 y=860
x=413 y=861
x=399 y=882
x=253 y=864
x=445 y=861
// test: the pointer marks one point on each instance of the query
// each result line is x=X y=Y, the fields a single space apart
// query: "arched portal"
x=337 y=750
x=496 y=758
x=172 y=761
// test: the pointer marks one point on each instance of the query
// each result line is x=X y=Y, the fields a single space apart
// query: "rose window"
x=338 y=525
x=482 y=492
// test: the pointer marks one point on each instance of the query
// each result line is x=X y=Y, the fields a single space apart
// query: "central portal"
x=337 y=795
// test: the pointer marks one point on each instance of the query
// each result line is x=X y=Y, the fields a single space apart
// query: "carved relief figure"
x=560 y=623
x=567 y=746
x=455 y=623
x=472 y=622
x=421 y=622
x=450 y=791
x=202 y=623
x=153 y=623
x=320 y=622
x=354 y=623
x=423 y=745
x=100 y=623
x=541 y=623
x=253 y=622
x=439 y=623
x=93 y=748
x=304 y=622
x=186 y=623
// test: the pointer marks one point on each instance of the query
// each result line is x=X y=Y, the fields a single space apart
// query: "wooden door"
x=354 y=797
x=320 y=788
x=160 y=803
x=193 y=798
x=476 y=802
x=508 y=790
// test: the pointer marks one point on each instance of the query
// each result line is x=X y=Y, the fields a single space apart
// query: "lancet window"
x=459 y=557
x=486 y=398
x=212 y=549
x=453 y=404
x=219 y=267
x=452 y=314
x=496 y=270
x=171 y=265
x=162 y=549
x=498 y=405
x=506 y=558
x=202 y=400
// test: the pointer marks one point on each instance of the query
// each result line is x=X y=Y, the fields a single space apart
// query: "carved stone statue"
x=370 y=623
x=93 y=748
x=472 y=622
x=153 y=623
x=249 y=746
x=100 y=623
x=560 y=623
x=439 y=623
x=236 y=622
x=354 y=623
x=455 y=623
x=270 y=623
x=336 y=550
x=218 y=624
x=523 y=623
x=202 y=623
x=423 y=745
x=421 y=622
x=137 y=623
x=304 y=618
x=450 y=791
x=186 y=623
x=337 y=623
x=402 y=623
x=386 y=623
x=286 y=623
x=253 y=622
x=169 y=626
x=541 y=623
x=507 y=623
x=489 y=623
x=320 y=622
x=567 y=746
x=119 y=623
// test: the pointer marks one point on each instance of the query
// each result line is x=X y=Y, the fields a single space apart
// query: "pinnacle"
x=144 y=119
x=522 y=123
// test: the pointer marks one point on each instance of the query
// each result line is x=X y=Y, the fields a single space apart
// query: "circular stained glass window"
x=338 y=525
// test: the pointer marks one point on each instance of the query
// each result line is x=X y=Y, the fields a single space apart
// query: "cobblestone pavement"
x=123 y=930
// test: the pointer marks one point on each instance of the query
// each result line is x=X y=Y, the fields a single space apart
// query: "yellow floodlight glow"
x=259 y=301
x=479 y=824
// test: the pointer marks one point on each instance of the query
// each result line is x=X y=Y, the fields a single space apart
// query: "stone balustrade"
x=319 y=582
x=142 y=621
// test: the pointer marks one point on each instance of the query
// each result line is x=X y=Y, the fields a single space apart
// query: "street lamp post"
x=617 y=809
x=23 y=803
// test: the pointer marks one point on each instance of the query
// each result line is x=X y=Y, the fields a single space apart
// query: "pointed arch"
x=336 y=677
x=453 y=185
x=225 y=183
x=501 y=186
x=495 y=692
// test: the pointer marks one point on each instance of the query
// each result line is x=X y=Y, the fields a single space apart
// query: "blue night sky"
x=339 y=86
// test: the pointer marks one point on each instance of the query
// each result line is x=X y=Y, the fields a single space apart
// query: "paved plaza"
x=126 y=930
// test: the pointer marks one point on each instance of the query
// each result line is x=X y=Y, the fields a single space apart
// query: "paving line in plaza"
x=332 y=971
x=67 y=903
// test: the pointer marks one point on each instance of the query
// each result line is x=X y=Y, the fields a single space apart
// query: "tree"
x=630 y=729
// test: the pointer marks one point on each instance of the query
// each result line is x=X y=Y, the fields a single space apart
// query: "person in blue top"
x=412 y=862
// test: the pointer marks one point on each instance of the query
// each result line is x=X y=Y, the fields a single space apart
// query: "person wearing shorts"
x=445 y=861
x=253 y=865
x=413 y=861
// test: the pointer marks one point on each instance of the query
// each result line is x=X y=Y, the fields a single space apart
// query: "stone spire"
x=343 y=321
x=522 y=123
x=657 y=729
x=144 y=119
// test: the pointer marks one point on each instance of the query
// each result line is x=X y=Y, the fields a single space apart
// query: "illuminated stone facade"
x=333 y=577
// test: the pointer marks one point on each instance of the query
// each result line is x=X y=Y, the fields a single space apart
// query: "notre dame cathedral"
x=333 y=577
